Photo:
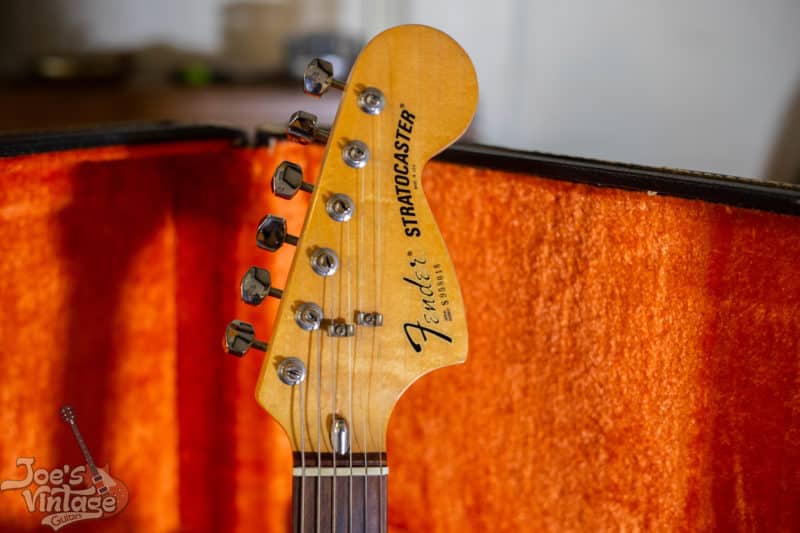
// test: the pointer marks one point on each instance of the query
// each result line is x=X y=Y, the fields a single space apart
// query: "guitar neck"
x=84 y=449
x=369 y=249
x=339 y=493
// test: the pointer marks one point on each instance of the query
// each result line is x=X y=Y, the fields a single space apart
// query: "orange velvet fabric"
x=633 y=359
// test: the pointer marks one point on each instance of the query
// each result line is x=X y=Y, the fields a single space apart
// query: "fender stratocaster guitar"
x=371 y=302
x=95 y=476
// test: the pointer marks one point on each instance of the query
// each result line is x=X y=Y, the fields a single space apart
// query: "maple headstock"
x=372 y=301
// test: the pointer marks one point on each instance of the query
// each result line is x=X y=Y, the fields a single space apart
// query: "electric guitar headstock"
x=371 y=302
x=67 y=414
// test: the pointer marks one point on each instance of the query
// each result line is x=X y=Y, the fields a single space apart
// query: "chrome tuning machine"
x=288 y=179
x=256 y=285
x=318 y=78
x=271 y=233
x=304 y=128
x=240 y=337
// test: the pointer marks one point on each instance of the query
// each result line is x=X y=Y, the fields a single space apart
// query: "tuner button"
x=240 y=337
x=271 y=233
x=288 y=179
x=256 y=286
x=318 y=77
x=303 y=128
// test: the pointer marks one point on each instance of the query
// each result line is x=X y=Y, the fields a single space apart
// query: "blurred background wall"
x=702 y=85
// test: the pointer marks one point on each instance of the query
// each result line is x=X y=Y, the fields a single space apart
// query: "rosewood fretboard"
x=341 y=493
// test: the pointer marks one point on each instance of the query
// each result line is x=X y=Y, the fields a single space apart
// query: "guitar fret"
x=341 y=471
x=327 y=459
x=360 y=503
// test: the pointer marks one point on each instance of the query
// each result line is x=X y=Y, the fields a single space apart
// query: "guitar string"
x=375 y=357
x=306 y=383
x=376 y=246
x=334 y=341
x=364 y=391
x=302 y=421
x=375 y=360
x=348 y=313
x=376 y=339
x=302 y=455
x=319 y=414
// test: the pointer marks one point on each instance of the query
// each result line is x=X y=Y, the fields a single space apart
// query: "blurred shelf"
x=27 y=108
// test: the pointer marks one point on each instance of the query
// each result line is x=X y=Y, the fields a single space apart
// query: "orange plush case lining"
x=633 y=358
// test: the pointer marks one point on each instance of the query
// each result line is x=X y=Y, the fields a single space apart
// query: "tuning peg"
x=256 y=286
x=240 y=337
x=303 y=128
x=288 y=179
x=318 y=77
x=271 y=233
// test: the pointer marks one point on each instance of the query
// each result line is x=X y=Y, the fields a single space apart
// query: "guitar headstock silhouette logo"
x=69 y=494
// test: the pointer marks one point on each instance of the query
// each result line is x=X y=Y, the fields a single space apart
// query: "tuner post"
x=324 y=261
x=340 y=207
x=292 y=371
x=355 y=154
x=371 y=101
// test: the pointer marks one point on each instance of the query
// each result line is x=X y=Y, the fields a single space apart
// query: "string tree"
x=340 y=434
x=368 y=319
x=340 y=328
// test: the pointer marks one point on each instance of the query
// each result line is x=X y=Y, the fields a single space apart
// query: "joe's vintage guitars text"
x=371 y=302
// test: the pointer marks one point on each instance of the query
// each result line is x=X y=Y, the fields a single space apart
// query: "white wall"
x=692 y=84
